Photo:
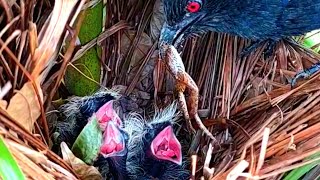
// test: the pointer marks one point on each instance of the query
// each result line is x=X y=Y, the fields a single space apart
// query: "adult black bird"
x=252 y=19
x=154 y=152
x=260 y=21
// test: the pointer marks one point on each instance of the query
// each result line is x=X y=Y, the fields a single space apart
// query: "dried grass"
x=263 y=126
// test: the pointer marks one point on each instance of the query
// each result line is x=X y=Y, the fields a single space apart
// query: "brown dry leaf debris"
x=24 y=106
x=83 y=170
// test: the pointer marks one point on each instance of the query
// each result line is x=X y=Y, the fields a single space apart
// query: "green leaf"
x=312 y=39
x=9 y=169
x=88 y=143
x=89 y=63
x=299 y=172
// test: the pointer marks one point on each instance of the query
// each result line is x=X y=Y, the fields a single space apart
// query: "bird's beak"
x=167 y=35
x=113 y=141
x=166 y=146
x=175 y=34
x=113 y=137
x=106 y=113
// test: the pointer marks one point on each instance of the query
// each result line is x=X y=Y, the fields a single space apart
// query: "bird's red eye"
x=193 y=7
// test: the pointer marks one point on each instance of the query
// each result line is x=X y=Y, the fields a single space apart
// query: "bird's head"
x=113 y=151
x=157 y=137
x=181 y=19
x=193 y=17
x=75 y=114
x=154 y=151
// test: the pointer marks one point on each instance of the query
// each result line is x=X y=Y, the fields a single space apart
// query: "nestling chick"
x=113 y=152
x=76 y=113
x=139 y=150
x=153 y=149
x=112 y=158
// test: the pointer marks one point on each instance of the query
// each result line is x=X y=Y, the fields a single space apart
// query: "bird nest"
x=263 y=126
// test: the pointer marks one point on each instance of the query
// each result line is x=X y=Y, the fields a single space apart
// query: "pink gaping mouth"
x=113 y=141
x=106 y=113
x=166 y=146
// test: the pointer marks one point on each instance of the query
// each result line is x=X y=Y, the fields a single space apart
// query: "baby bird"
x=77 y=113
x=113 y=152
x=154 y=152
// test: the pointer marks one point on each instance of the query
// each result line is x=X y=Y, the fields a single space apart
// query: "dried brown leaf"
x=157 y=20
x=30 y=168
x=83 y=170
x=138 y=59
x=3 y=104
x=50 y=36
x=24 y=106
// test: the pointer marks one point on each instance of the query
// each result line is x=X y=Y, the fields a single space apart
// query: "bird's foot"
x=305 y=73
x=184 y=109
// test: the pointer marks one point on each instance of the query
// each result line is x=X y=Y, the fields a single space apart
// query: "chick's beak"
x=166 y=146
x=113 y=141
x=107 y=113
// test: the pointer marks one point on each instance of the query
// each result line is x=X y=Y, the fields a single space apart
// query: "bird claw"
x=305 y=73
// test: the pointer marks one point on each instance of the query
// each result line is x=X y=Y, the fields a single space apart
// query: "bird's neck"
x=118 y=166
x=154 y=167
